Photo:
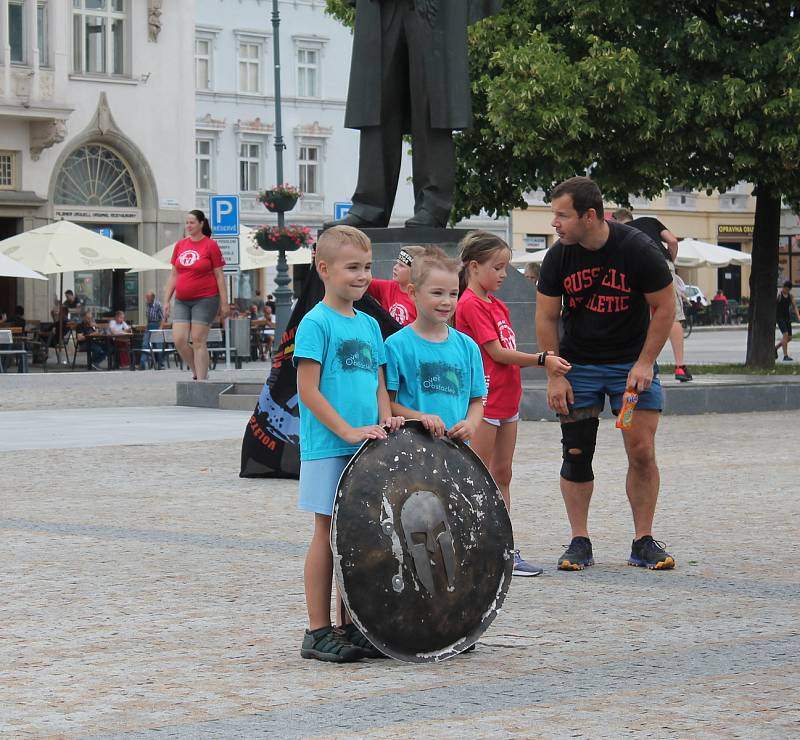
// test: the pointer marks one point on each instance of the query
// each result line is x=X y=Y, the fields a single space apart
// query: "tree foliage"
x=642 y=95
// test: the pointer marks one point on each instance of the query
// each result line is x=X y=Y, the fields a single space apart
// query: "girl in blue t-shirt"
x=433 y=372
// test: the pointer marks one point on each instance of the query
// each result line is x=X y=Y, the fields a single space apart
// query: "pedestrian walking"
x=198 y=283
x=783 y=316
x=660 y=235
x=619 y=303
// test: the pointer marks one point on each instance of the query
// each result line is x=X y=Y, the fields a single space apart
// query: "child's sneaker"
x=577 y=556
x=355 y=637
x=330 y=645
x=649 y=553
x=524 y=568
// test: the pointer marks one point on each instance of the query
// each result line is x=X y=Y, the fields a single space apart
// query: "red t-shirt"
x=195 y=263
x=388 y=293
x=486 y=321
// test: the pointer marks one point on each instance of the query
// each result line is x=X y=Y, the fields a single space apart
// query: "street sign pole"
x=225 y=229
x=283 y=296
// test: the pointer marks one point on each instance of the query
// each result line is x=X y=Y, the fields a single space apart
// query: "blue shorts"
x=592 y=383
x=318 y=482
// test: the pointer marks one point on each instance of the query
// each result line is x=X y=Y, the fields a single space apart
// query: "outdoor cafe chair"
x=9 y=349
x=161 y=346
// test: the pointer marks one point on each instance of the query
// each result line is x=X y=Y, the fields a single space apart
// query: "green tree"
x=643 y=96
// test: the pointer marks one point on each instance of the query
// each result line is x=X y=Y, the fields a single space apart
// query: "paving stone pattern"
x=170 y=604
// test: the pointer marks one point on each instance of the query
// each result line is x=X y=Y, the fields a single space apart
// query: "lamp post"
x=283 y=296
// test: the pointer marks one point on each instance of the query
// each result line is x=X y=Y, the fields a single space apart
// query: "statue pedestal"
x=518 y=293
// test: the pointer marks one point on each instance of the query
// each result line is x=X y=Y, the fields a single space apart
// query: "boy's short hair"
x=431 y=258
x=335 y=237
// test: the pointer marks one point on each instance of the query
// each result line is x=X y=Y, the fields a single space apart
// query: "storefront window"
x=789 y=259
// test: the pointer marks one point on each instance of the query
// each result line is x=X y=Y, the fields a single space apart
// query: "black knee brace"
x=579 y=442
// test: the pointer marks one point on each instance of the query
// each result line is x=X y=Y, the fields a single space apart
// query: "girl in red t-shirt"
x=198 y=283
x=393 y=294
x=484 y=259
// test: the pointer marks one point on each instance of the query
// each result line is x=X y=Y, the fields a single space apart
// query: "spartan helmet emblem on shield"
x=426 y=529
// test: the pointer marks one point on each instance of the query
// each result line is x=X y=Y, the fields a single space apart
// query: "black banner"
x=271 y=444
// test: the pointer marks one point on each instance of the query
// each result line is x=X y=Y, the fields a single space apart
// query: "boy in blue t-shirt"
x=433 y=372
x=339 y=357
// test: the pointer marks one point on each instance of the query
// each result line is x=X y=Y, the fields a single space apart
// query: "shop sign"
x=741 y=230
x=98 y=214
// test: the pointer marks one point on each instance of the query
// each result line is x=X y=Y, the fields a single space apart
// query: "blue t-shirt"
x=435 y=377
x=349 y=350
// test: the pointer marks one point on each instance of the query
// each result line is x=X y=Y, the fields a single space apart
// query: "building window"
x=308 y=73
x=94 y=175
x=202 y=63
x=42 y=33
x=16 y=31
x=249 y=67
x=308 y=170
x=249 y=167
x=8 y=170
x=789 y=259
x=99 y=30
x=202 y=162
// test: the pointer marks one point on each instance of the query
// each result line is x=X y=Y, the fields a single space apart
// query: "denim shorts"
x=198 y=311
x=592 y=383
x=319 y=480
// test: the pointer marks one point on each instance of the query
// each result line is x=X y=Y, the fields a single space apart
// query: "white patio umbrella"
x=12 y=268
x=694 y=253
x=523 y=258
x=65 y=247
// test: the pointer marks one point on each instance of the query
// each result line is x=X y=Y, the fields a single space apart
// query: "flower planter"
x=287 y=244
x=279 y=202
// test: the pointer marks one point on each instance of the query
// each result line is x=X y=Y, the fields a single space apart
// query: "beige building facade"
x=96 y=127
x=720 y=218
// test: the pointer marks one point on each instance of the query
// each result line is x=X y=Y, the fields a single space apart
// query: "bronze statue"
x=409 y=74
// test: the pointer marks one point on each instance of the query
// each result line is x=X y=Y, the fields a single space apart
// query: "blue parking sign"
x=224 y=216
x=340 y=210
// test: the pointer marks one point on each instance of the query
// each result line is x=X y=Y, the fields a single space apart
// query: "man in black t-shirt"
x=610 y=278
x=660 y=235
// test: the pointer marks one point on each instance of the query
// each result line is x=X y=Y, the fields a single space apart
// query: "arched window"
x=94 y=175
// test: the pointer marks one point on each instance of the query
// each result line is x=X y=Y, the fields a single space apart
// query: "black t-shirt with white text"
x=612 y=326
x=653 y=228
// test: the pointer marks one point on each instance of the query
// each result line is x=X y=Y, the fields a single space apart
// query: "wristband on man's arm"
x=543 y=357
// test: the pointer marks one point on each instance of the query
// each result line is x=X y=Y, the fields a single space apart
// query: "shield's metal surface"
x=422 y=544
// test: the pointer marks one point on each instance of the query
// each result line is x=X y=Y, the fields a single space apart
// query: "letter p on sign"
x=224 y=215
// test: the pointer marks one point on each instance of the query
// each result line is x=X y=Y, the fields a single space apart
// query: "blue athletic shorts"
x=318 y=482
x=592 y=383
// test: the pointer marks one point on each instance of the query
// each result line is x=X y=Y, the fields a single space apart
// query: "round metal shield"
x=422 y=544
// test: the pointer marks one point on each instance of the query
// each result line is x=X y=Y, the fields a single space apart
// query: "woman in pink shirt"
x=198 y=283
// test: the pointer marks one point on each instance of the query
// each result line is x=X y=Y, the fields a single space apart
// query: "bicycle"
x=687 y=324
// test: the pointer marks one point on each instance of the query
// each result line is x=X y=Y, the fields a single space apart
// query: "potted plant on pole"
x=280 y=198
x=288 y=238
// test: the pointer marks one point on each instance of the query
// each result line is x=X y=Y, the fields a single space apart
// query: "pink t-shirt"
x=389 y=294
x=486 y=321
x=195 y=263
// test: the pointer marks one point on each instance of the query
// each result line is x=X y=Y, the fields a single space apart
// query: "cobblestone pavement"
x=147 y=590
